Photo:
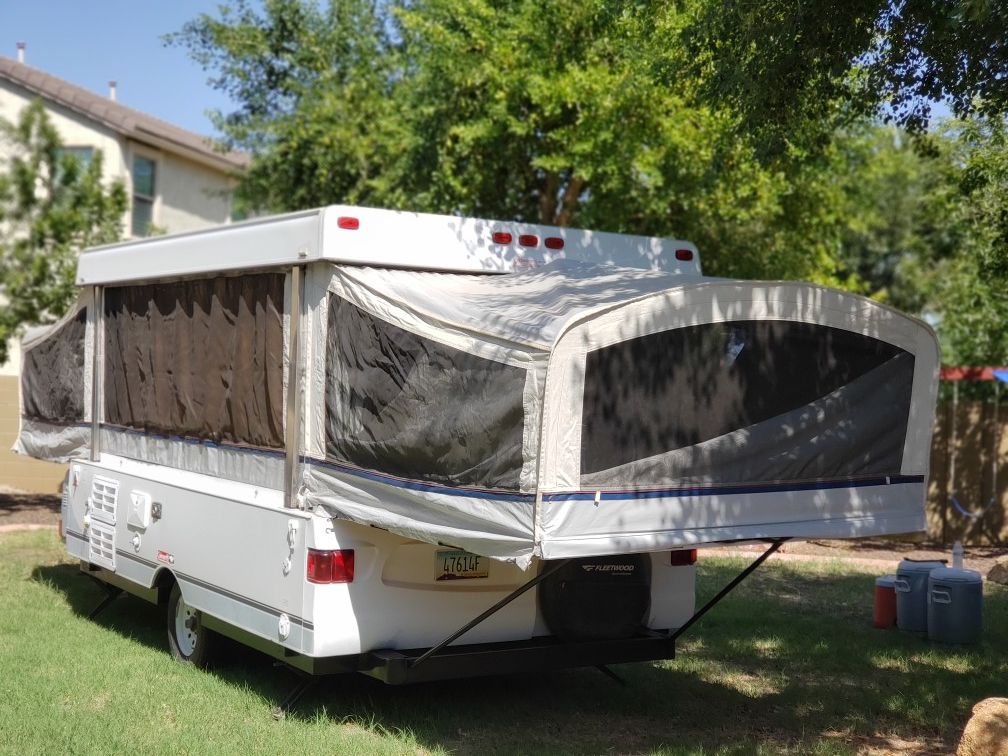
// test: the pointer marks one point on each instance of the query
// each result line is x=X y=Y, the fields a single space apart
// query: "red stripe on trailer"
x=969 y=373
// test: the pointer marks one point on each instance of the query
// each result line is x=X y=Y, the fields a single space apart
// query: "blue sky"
x=89 y=42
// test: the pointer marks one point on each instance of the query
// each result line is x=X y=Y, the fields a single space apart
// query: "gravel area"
x=869 y=552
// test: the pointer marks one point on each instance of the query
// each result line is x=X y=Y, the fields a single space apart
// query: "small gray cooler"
x=955 y=605
x=911 y=594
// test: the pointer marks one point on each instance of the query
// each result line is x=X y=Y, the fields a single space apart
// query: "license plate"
x=460 y=565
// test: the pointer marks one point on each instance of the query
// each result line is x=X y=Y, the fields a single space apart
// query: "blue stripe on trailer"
x=668 y=493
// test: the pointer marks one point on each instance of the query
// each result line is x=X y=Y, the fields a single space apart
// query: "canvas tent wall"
x=564 y=411
x=657 y=411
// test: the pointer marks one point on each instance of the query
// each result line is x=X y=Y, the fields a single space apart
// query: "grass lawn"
x=788 y=663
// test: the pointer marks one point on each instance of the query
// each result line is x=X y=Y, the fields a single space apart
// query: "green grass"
x=788 y=663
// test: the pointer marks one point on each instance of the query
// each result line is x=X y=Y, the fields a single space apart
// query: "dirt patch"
x=28 y=509
x=869 y=552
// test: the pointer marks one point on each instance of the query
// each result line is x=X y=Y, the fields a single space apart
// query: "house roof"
x=124 y=120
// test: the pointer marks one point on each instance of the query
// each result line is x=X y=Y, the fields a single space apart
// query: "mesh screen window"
x=52 y=377
x=200 y=359
x=408 y=406
x=773 y=384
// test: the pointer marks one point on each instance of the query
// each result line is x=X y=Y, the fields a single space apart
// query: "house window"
x=84 y=155
x=143 y=195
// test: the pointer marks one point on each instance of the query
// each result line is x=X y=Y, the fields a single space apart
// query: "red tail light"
x=330 y=566
x=502 y=237
x=348 y=223
x=554 y=242
x=528 y=240
x=684 y=558
x=684 y=254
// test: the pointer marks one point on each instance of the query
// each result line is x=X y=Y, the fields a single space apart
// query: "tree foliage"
x=971 y=292
x=750 y=128
x=559 y=112
x=51 y=207
x=783 y=63
x=314 y=92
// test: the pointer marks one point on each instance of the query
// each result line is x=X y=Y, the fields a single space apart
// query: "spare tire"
x=597 y=598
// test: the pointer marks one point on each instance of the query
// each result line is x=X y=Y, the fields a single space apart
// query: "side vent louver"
x=101 y=539
x=104 y=493
x=101 y=535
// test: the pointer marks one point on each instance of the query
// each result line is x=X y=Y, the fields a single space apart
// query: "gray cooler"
x=955 y=605
x=911 y=594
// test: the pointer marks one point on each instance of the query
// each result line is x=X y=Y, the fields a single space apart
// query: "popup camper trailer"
x=421 y=447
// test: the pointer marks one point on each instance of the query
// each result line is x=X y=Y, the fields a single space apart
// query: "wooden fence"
x=973 y=449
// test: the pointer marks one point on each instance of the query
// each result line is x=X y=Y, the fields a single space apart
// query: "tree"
x=558 y=112
x=745 y=127
x=972 y=293
x=783 y=65
x=51 y=207
x=314 y=89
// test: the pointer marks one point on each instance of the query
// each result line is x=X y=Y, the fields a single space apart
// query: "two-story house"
x=175 y=179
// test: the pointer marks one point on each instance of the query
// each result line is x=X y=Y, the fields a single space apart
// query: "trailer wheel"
x=190 y=642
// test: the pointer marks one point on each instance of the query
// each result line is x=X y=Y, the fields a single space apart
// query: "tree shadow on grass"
x=789 y=661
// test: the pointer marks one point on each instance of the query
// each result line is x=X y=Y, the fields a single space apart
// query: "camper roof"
x=381 y=238
x=531 y=308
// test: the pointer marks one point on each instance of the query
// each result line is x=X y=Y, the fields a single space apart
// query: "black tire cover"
x=597 y=598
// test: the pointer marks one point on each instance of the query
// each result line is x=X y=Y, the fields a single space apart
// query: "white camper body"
x=341 y=435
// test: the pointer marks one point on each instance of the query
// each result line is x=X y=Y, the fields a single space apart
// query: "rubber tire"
x=203 y=638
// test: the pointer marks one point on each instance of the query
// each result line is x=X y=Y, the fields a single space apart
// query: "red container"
x=885 y=601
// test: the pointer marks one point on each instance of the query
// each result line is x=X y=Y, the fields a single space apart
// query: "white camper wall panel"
x=226 y=543
x=385 y=238
x=395 y=602
x=421 y=241
x=274 y=242
x=613 y=524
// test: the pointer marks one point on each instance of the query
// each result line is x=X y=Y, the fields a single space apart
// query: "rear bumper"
x=535 y=655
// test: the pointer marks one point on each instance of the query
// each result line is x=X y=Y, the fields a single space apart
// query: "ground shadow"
x=28 y=508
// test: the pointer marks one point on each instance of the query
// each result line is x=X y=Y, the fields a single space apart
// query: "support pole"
x=293 y=408
x=492 y=610
x=728 y=588
x=97 y=318
x=305 y=684
x=111 y=594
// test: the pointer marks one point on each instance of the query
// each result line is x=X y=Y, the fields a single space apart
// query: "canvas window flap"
x=499 y=527
x=55 y=386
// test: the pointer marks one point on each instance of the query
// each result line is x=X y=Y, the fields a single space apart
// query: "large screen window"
x=52 y=376
x=744 y=400
x=200 y=359
x=405 y=405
